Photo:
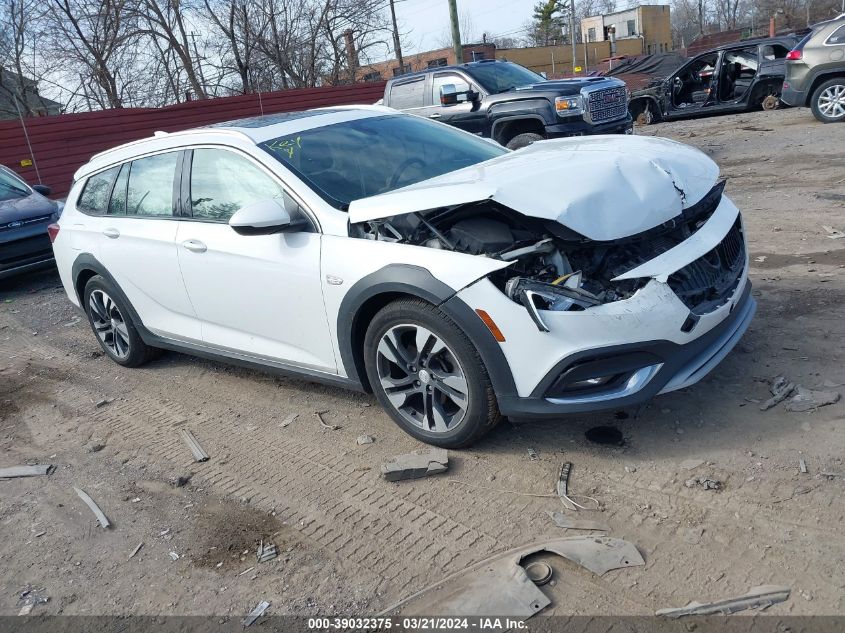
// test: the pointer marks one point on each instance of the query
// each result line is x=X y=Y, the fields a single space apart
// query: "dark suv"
x=511 y=104
x=815 y=72
x=731 y=78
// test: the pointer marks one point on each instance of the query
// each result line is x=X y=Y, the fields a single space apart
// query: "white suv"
x=457 y=280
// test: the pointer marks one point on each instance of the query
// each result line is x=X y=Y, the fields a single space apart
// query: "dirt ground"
x=351 y=543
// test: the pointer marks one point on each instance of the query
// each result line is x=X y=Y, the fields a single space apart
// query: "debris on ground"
x=136 y=550
x=608 y=435
x=809 y=399
x=95 y=447
x=563 y=486
x=101 y=403
x=802 y=466
x=323 y=423
x=691 y=464
x=266 y=551
x=532 y=455
x=539 y=572
x=780 y=389
x=180 y=481
x=193 y=445
x=256 y=613
x=415 y=465
x=94 y=507
x=705 y=482
x=500 y=585
x=365 y=439
x=563 y=521
x=29 y=597
x=287 y=421
x=25 y=471
x=173 y=556
x=757 y=598
x=833 y=233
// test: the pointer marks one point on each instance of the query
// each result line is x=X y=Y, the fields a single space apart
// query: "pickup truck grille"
x=608 y=104
x=709 y=281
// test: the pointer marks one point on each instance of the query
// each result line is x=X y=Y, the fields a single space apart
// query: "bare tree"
x=18 y=75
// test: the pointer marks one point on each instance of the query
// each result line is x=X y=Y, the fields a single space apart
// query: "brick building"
x=420 y=61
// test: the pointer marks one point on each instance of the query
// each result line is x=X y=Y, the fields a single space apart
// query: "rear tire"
x=112 y=324
x=828 y=101
x=523 y=140
x=428 y=375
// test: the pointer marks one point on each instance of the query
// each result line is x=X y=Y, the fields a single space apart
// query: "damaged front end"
x=553 y=268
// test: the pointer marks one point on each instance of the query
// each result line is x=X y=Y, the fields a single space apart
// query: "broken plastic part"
x=757 y=598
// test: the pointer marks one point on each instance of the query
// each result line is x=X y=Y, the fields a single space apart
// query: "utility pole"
x=456 y=32
x=572 y=35
x=396 y=44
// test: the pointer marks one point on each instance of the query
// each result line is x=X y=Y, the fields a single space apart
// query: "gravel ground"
x=351 y=543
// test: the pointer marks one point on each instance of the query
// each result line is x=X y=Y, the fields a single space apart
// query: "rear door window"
x=408 y=94
x=95 y=195
x=150 y=187
x=117 y=204
x=837 y=37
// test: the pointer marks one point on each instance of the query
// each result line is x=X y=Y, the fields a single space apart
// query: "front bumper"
x=29 y=250
x=577 y=126
x=646 y=368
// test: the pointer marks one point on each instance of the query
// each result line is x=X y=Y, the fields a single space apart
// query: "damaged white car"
x=457 y=280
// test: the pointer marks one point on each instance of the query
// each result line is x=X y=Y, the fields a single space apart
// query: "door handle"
x=195 y=246
x=436 y=115
x=112 y=233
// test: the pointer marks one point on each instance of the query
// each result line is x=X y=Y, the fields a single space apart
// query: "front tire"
x=523 y=140
x=112 y=324
x=428 y=376
x=828 y=101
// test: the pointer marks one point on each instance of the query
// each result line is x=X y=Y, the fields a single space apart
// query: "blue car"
x=25 y=213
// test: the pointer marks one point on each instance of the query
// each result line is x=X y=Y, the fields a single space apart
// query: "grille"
x=30 y=249
x=709 y=281
x=608 y=104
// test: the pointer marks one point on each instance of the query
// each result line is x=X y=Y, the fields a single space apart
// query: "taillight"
x=53 y=231
x=794 y=55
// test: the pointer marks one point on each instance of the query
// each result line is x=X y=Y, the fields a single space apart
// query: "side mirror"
x=44 y=190
x=449 y=95
x=264 y=217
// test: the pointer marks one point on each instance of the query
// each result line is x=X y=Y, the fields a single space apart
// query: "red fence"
x=60 y=144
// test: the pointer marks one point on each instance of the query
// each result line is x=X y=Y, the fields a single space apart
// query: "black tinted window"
x=11 y=187
x=117 y=204
x=95 y=195
x=365 y=157
x=838 y=36
x=150 y=190
x=407 y=95
x=222 y=182
x=501 y=76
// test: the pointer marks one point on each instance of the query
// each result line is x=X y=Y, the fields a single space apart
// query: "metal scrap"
x=563 y=521
x=415 y=465
x=780 y=389
x=94 y=507
x=287 y=421
x=193 y=445
x=499 y=585
x=256 y=613
x=25 y=471
x=323 y=423
x=266 y=551
x=757 y=598
x=136 y=550
x=802 y=466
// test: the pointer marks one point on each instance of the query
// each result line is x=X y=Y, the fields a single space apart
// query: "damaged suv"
x=457 y=280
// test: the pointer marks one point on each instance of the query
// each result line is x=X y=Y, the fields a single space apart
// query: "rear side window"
x=407 y=95
x=150 y=186
x=95 y=195
x=222 y=182
x=117 y=204
x=837 y=37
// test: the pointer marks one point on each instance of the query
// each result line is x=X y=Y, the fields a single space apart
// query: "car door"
x=137 y=244
x=254 y=295
x=692 y=86
x=466 y=115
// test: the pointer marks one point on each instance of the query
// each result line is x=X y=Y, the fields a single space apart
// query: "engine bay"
x=551 y=266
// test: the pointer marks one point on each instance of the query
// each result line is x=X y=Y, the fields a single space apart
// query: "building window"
x=440 y=61
x=632 y=27
x=397 y=71
x=591 y=34
x=477 y=56
x=373 y=76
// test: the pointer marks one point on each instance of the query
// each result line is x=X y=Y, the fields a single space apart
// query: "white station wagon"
x=457 y=280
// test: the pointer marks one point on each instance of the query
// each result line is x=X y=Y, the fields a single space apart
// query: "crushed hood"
x=603 y=187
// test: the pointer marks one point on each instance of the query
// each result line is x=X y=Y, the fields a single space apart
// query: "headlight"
x=565 y=106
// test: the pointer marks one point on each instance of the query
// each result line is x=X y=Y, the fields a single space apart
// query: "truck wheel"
x=828 y=101
x=522 y=140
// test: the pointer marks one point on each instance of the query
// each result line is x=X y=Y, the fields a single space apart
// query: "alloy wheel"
x=422 y=378
x=109 y=324
x=832 y=101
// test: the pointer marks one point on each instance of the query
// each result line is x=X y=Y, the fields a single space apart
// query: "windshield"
x=357 y=159
x=499 y=77
x=11 y=187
